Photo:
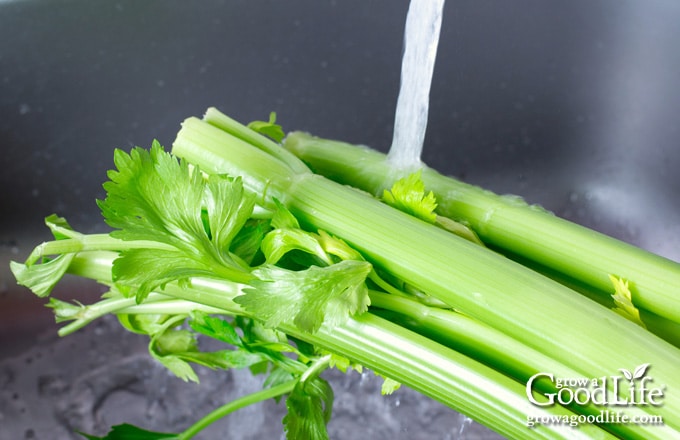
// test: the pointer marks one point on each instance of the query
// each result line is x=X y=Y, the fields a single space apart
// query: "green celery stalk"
x=489 y=346
x=544 y=315
x=509 y=224
x=461 y=383
x=660 y=326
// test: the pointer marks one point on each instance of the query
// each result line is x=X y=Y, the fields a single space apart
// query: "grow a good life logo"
x=632 y=388
x=602 y=391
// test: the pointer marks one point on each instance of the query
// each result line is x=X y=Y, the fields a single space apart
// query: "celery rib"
x=510 y=225
x=491 y=347
x=461 y=383
x=541 y=313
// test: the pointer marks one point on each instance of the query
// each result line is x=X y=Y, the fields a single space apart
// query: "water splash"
x=421 y=37
x=465 y=424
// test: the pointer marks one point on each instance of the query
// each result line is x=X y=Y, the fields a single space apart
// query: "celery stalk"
x=533 y=309
x=453 y=379
x=660 y=326
x=511 y=225
x=487 y=345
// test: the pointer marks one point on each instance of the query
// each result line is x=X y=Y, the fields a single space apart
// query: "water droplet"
x=24 y=109
x=465 y=422
x=365 y=378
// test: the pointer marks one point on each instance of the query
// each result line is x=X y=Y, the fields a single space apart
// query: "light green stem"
x=234 y=405
x=93 y=311
x=169 y=307
x=229 y=125
x=489 y=346
x=91 y=242
x=316 y=368
x=511 y=225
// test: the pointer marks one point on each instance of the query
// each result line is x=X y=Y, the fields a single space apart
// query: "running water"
x=421 y=37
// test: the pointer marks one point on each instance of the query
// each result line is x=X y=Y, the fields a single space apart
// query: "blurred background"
x=572 y=105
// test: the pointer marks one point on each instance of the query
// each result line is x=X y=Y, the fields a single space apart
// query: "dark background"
x=574 y=105
x=555 y=101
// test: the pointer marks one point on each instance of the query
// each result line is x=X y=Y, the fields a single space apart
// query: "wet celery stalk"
x=546 y=316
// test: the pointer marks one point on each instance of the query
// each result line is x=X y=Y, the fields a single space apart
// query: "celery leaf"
x=126 y=431
x=281 y=241
x=143 y=324
x=342 y=363
x=309 y=410
x=283 y=218
x=623 y=301
x=215 y=328
x=459 y=229
x=147 y=269
x=247 y=242
x=60 y=228
x=408 y=195
x=177 y=349
x=168 y=347
x=66 y=311
x=153 y=196
x=308 y=297
x=41 y=278
x=389 y=386
x=270 y=129
x=258 y=346
x=336 y=246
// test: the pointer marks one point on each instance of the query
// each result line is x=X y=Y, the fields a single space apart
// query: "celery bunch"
x=232 y=237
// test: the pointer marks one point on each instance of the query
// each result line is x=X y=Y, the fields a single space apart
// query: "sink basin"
x=572 y=106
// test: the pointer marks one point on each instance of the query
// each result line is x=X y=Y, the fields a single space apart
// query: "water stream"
x=421 y=37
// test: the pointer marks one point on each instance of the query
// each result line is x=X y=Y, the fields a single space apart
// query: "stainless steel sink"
x=574 y=106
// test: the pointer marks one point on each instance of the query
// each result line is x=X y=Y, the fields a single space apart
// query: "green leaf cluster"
x=268 y=128
x=623 y=301
x=194 y=218
x=309 y=410
x=318 y=279
x=173 y=224
x=408 y=195
x=39 y=272
x=313 y=296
